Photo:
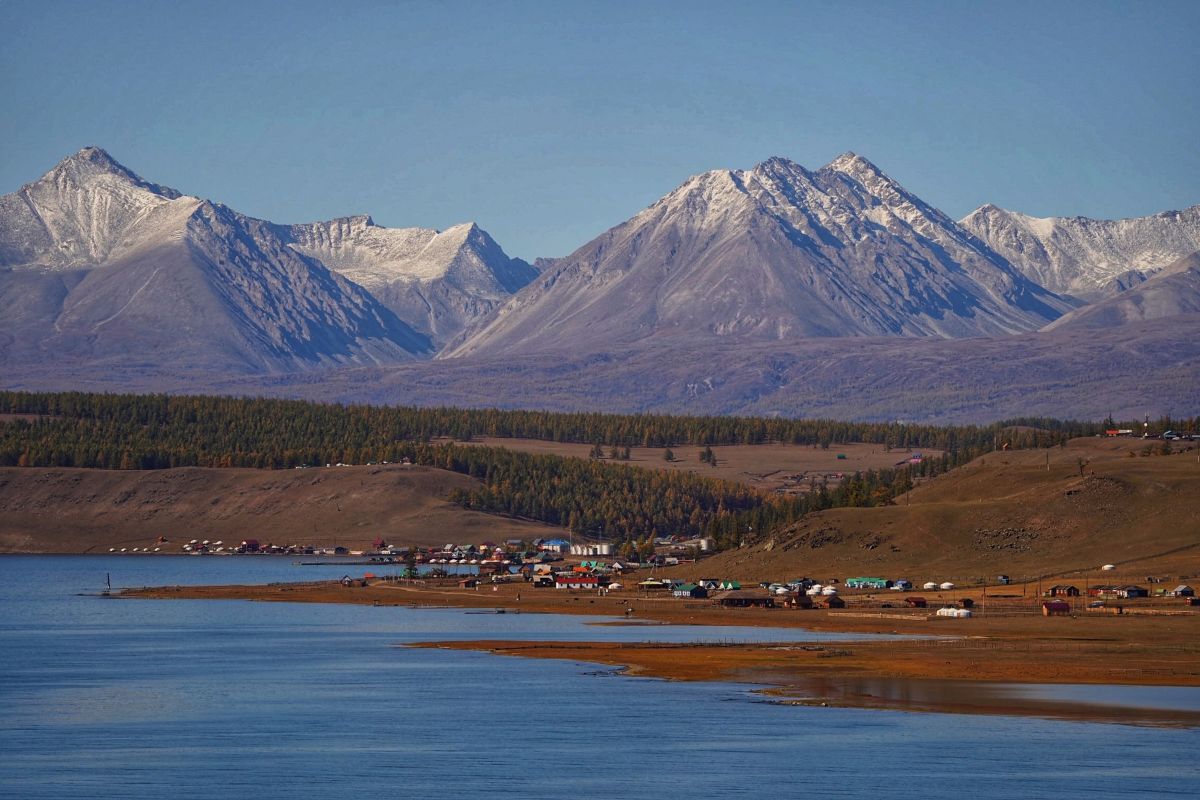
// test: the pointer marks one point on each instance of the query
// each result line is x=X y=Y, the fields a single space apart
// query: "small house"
x=1056 y=608
x=1183 y=590
x=729 y=586
x=690 y=591
x=1130 y=592
x=712 y=584
x=916 y=602
x=1062 y=590
x=835 y=602
x=574 y=580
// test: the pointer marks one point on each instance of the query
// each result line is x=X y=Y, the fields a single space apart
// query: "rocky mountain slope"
x=438 y=281
x=777 y=252
x=1128 y=371
x=1172 y=291
x=74 y=215
x=100 y=265
x=103 y=264
x=1081 y=256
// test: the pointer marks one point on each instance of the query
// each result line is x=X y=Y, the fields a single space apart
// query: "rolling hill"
x=1023 y=513
x=91 y=510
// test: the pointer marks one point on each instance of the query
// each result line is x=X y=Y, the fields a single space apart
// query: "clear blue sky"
x=549 y=122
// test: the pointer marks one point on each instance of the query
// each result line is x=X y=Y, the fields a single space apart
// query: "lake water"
x=106 y=698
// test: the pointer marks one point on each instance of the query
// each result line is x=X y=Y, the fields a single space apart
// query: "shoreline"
x=957 y=666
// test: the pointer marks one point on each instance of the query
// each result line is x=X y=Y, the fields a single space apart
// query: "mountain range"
x=772 y=279
x=773 y=253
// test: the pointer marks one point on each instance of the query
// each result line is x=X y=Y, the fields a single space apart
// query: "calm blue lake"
x=105 y=698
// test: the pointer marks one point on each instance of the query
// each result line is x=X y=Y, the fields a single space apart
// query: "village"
x=588 y=570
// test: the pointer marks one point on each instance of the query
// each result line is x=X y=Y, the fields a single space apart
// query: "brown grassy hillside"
x=766 y=467
x=80 y=510
x=1005 y=513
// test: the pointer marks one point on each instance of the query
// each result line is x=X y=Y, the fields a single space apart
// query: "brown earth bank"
x=1064 y=511
x=962 y=667
x=87 y=510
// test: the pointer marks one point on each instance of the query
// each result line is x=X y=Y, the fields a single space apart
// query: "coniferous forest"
x=596 y=497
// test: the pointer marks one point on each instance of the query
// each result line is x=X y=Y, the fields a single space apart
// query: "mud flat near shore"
x=971 y=665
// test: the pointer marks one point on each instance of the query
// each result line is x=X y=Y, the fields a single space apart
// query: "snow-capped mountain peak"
x=75 y=214
x=851 y=163
x=93 y=163
x=773 y=252
x=1083 y=256
x=439 y=281
x=374 y=256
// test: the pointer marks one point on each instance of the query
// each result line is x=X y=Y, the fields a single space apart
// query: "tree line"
x=600 y=498
x=283 y=433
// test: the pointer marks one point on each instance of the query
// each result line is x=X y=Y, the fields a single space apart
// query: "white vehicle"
x=947 y=586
